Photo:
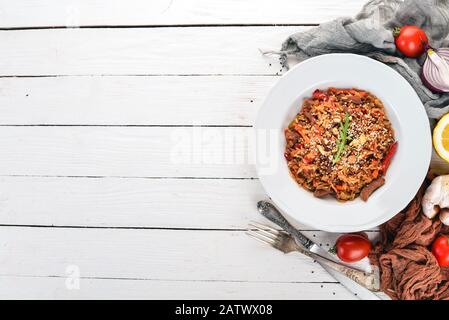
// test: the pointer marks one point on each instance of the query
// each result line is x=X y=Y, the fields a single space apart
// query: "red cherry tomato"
x=352 y=247
x=440 y=249
x=411 y=41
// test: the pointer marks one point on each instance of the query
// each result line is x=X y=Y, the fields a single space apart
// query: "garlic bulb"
x=436 y=196
x=444 y=216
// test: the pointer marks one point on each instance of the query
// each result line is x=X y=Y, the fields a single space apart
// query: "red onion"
x=435 y=72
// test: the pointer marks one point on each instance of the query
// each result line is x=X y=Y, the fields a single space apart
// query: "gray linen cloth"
x=369 y=33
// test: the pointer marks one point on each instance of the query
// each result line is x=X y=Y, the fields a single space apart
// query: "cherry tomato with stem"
x=410 y=40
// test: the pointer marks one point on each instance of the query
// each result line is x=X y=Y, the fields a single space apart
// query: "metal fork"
x=285 y=243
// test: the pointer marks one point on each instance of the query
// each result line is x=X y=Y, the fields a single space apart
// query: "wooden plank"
x=128 y=202
x=216 y=50
x=24 y=13
x=132 y=203
x=111 y=202
x=438 y=164
x=127 y=151
x=150 y=254
x=55 y=288
x=206 y=100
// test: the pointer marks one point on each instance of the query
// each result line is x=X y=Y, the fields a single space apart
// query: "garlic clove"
x=444 y=216
x=430 y=211
x=436 y=196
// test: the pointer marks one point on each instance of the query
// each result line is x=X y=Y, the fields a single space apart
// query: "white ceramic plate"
x=405 y=111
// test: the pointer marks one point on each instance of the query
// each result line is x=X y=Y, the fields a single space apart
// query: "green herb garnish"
x=342 y=138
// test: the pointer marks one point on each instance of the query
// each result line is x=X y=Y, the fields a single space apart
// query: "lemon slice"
x=441 y=137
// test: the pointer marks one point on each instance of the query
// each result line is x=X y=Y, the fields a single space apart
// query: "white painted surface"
x=55 y=288
x=126 y=151
x=142 y=51
x=204 y=255
x=27 y=13
x=82 y=187
x=124 y=202
x=96 y=100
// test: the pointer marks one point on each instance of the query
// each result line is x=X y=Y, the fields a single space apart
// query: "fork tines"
x=263 y=233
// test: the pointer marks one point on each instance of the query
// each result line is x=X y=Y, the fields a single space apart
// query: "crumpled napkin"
x=369 y=33
x=408 y=269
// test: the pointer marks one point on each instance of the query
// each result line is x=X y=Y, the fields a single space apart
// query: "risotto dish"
x=340 y=144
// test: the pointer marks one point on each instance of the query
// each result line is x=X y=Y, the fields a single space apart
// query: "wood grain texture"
x=438 y=164
x=147 y=51
x=117 y=202
x=148 y=236
x=132 y=203
x=55 y=288
x=127 y=151
x=150 y=254
x=156 y=100
x=25 y=13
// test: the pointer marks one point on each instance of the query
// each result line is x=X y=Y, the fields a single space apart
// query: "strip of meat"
x=291 y=137
x=369 y=189
x=355 y=99
x=308 y=114
x=321 y=193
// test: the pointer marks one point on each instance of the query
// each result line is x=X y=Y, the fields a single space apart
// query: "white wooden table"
x=93 y=202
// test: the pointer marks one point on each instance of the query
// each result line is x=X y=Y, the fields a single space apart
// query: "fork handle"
x=364 y=279
x=269 y=211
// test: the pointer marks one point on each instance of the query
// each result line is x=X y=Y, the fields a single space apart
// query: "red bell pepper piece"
x=321 y=95
x=387 y=160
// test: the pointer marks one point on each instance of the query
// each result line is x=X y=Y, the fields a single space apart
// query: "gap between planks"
x=152 y=26
x=373 y=231
x=155 y=255
x=108 y=203
x=168 y=280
